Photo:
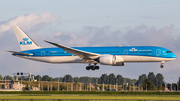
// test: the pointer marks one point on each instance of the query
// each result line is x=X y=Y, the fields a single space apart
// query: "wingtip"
x=8 y=51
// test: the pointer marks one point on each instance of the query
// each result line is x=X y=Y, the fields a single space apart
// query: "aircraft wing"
x=82 y=54
x=14 y=52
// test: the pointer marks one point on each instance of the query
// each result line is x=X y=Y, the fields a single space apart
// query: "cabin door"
x=42 y=53
x=125 y=52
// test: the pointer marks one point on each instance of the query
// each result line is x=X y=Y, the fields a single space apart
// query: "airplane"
x=111 y=55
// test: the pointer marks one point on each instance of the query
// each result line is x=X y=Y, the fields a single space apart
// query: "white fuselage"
x=76 y=59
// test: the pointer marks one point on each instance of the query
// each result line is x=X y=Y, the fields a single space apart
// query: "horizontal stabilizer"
x=19 y=53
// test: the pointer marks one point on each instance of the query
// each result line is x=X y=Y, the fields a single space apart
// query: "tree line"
x=112 y=79
x=149 y=82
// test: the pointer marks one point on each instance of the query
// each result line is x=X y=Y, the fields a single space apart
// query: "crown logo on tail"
x=25 y=39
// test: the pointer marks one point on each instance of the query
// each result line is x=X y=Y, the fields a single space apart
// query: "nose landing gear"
x=162 y=62
x=161 y=66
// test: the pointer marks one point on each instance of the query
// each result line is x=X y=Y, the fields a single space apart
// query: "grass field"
x=89 y=97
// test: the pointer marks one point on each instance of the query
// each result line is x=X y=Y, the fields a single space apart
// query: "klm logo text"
x=25 y=41
x=133 y=49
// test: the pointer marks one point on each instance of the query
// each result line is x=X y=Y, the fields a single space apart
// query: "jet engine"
x=111 y=60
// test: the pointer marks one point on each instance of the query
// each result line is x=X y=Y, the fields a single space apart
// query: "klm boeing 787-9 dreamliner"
x=114 y=55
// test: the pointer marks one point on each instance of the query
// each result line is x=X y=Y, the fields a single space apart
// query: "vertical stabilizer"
x=25 y=42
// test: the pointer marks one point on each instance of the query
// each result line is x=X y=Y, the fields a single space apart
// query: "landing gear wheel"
x=87 y=68
x=161 y=66
x=97 y=67
x=93 y=68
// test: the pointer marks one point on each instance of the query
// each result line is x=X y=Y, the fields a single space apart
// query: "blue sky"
x=91 y=23
x=116 y=13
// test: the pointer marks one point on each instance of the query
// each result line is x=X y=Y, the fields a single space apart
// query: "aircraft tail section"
x=25 y=42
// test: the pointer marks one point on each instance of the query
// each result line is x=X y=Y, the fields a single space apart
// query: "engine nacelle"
x=111 y=60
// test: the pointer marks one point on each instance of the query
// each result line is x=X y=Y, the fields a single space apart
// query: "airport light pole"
x=108 y=80
x=50 y=79
x=51 y=86
x=21 y=82
x=72 y=84
x=42 y=86
x=179 y=80
x=58 y=84
x=133 y=85
x=64 y=79
x=177 y=86
x=124 y=84
x=48 y=87
x=116 y=84
x=80 y=87
x=5 y=79
x=39 y=83
x=90 y=82
x=171 y=84
x=96 y=80
x=139 y=85
x=165 y=85
x=99 y=79
x=76 y=87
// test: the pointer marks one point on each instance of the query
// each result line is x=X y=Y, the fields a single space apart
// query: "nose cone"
x=174 y=56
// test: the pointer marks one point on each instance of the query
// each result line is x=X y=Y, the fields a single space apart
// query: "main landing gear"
x=92 y=67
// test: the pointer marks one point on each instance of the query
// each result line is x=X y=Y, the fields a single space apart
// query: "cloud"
x=143 y=35
x=91 y=36
x=28 y=21
x=105 y=36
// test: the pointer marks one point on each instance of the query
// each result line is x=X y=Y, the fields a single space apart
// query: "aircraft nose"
x=174 y=56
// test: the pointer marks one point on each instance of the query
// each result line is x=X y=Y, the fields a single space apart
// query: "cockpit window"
x=169 y=51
